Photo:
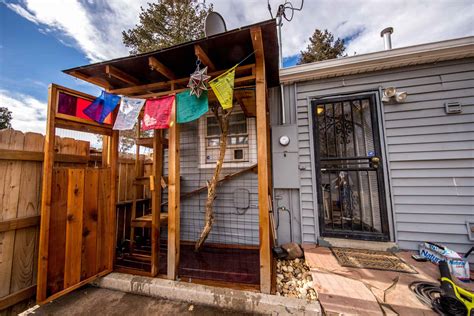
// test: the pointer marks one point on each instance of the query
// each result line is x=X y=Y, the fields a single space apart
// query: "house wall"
x=430 y=153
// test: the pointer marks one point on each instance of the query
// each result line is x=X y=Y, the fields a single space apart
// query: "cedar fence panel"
x=21 y=157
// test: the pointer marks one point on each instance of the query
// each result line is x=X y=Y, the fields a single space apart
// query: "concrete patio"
x=344 y=290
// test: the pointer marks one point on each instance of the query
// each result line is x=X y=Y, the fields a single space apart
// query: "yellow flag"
x=223 y=87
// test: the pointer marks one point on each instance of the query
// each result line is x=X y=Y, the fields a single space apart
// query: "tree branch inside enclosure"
x=222 y=117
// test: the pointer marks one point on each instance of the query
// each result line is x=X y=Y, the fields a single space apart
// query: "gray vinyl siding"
x=230 y=226
x=430 y=153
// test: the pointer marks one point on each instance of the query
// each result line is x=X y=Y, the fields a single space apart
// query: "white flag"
x=128 y=113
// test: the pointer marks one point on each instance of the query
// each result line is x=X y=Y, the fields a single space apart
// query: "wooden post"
x=46 y=196
x=105 y=150
x=110 y=225
x=156 y=200
x=136 y=188
x=173 y=197
x=262 y=151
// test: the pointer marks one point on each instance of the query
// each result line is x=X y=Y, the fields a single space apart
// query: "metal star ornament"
x=198 y=81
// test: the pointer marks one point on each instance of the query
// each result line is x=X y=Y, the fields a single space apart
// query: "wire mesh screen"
x=234 y=235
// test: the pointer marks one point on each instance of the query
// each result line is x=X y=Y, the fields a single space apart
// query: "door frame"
x=379 y=140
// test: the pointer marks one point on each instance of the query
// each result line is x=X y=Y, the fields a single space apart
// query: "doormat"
x=370 y=259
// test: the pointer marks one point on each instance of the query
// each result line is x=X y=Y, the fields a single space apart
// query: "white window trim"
x=252 y=145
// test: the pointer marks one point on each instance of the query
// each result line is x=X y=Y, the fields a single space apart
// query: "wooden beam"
x=21 y=155
x=237 y=82
x=82 y=127
x=121 y=75
x=111 y=211
x=17 y=297
x=252 y=168
x=156 y=65
x=173 y=198
x=245 y=69
x=262 y=150
x=18 y=223
x=141 y=88
x=94 y=80
x=202 y=56
x=46 y=195
x=157 y=171
x=74 y=287
x=148 y=142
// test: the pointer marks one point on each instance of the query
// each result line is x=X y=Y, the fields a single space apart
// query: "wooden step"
x=148 y=142
x=145 y=221
x=146 y=181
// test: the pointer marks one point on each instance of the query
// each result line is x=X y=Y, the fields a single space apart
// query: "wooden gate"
x=80 y=213
x=77 y=204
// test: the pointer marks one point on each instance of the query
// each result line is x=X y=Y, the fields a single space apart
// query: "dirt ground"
x=94 y=301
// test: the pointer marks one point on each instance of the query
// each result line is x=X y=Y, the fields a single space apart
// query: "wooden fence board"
x=57 y=231
x=75 y=209
x=28 y=205
x=103 y=204
x=89 y=245
x=9 y=208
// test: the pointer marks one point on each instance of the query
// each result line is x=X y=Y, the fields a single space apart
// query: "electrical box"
x=285 y=157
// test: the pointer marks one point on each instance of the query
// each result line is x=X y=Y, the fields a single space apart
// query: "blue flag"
x=102 y=106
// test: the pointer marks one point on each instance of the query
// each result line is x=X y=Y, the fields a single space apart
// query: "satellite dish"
x=214 y=24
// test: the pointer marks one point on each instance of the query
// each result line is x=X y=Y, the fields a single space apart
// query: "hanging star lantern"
x=198 y=80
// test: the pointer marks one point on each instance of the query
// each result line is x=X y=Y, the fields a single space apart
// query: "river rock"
x=294 y=250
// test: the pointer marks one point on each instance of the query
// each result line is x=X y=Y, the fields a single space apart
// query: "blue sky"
x=30 y=60
x=39 y=38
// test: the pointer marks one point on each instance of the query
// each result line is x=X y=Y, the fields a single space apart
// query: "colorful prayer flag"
x=128 y=113
x=157 y=113
x=73 y=105
x=190 y=107
x=101 y=107
x=223 y=87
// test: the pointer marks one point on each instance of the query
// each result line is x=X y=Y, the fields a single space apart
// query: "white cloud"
x=95 y=26
x=29 y=113
x=415 y=22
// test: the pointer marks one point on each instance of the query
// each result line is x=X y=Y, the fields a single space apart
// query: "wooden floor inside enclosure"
x=220 y=263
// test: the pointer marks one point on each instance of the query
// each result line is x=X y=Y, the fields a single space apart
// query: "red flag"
x=157 y=113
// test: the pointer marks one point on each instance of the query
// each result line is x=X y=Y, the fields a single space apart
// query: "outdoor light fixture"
x=391 y=92
x=400 y=96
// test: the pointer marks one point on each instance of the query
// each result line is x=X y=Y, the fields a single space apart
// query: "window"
x=241 y=142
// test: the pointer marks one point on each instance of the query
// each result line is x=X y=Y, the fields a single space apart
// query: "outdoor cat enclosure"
x=157 y=232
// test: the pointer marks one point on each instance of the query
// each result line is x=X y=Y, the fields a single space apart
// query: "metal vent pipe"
x=387 y=37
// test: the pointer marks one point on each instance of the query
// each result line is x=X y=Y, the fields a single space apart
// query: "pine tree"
x=167 y=23
x=5 y=118
x=322 y=46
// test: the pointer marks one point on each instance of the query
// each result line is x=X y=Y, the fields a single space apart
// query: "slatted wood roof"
x=167 y=65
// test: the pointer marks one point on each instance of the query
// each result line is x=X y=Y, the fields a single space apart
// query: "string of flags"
x=190 y=104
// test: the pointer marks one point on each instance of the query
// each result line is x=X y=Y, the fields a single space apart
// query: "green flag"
x=190 y=107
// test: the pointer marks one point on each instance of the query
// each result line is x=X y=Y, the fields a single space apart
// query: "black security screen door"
x=349 y=171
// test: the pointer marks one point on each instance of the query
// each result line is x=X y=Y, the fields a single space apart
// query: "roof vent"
x=387 y=37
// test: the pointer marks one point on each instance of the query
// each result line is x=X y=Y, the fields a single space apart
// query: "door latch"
x=374 y=162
